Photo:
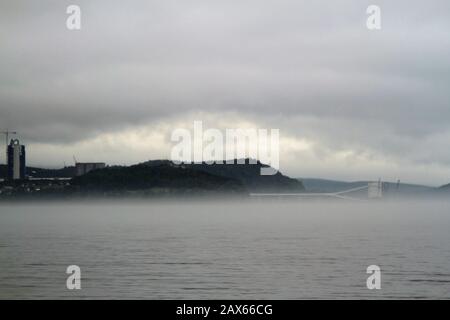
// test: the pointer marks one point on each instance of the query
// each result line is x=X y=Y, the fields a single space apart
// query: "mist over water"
x=226 y=249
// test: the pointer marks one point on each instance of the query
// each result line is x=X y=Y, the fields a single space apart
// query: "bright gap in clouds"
x=299 y=156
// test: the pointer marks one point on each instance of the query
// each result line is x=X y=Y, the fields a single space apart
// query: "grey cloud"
x=136 y=62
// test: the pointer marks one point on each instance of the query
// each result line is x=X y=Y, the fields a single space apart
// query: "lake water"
x=226 y=250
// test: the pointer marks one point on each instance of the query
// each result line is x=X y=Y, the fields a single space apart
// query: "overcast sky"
x=350 y=103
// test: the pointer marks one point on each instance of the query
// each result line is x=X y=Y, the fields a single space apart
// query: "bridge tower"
x=375 y=190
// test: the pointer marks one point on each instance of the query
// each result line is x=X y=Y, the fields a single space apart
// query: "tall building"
x=16 y=161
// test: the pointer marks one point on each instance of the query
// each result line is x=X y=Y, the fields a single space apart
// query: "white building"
x=83 y=168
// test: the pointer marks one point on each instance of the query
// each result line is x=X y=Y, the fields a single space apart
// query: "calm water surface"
x=225 y=250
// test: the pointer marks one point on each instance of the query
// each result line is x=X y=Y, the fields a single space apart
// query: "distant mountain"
x=249 y=175
x=162 y=178
x=403 y=189
x=445 y=187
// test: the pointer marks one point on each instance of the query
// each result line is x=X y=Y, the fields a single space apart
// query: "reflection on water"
x=225 y=250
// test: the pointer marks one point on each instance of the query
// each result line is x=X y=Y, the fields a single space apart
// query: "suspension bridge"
x=374 y=190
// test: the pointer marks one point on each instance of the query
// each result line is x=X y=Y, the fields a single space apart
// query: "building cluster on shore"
x=17 y=181
x=17 y=168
